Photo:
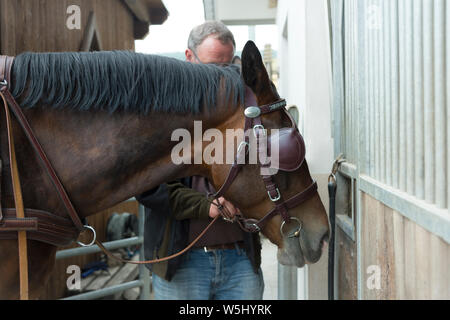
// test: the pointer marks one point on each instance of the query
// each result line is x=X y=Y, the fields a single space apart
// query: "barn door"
x=391 y=81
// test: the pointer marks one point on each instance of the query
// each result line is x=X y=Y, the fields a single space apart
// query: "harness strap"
x=17 y=110
x=274 y=193
x=22 y=235
x=272 y=107
x=5 y=72
x=40 y=225
x=253 y=225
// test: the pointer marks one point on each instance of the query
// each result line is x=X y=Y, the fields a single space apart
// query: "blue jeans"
x=213 y=275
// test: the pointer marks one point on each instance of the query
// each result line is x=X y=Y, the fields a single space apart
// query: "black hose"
x=332 y=194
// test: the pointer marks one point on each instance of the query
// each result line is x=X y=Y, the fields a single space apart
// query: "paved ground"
x=269 y=266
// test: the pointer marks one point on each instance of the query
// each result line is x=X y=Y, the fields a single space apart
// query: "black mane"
x=121 y=80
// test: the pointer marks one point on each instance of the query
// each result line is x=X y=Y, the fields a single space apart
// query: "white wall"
x=305 y=70
x=244 y=12
x=305 y=81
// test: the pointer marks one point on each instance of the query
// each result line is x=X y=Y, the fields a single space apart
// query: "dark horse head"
x=249 y=191
x=106 y=120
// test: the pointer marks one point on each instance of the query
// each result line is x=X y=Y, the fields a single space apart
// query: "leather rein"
x=23 y=223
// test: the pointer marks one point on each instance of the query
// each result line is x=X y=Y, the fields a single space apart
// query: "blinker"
x=252 y=112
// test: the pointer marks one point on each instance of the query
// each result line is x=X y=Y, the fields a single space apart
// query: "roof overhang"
x=146 y=13
x=238 y=12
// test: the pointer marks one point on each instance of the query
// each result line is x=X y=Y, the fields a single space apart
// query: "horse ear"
x=253 y=70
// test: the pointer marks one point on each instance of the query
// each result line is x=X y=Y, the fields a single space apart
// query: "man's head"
x=211 y=42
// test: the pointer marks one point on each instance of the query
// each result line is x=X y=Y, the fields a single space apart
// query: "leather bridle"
x=253 y=124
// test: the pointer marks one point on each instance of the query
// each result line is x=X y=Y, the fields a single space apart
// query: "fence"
x=144 y=276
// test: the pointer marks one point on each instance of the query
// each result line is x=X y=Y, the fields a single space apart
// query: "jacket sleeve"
x=187 y=203
x=155 y=198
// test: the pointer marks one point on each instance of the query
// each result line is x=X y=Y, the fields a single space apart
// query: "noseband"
x=291 y=155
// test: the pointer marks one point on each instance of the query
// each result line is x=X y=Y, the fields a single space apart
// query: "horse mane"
x=121 y=81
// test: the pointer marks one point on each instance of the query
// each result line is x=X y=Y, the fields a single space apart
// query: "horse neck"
x=103 y=159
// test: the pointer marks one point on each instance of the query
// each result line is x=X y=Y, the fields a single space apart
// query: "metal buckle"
x=253 y=225
x=278 y=197
x=94 y=238
x=227 y=220
x=259 y=126
x=296 y=234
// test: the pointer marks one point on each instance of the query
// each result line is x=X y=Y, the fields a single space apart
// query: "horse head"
x=284 y=205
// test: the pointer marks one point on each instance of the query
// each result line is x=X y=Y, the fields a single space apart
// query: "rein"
x=20 y=214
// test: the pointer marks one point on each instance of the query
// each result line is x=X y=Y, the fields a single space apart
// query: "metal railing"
x=144 y=274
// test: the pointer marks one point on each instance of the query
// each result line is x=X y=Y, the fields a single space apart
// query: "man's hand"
x=229 y=208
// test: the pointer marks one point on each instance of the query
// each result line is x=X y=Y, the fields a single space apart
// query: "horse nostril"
x=324 y=246
x=325 y=237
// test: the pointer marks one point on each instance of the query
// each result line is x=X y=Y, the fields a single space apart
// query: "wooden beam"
x=146 y=13
x=139 y=9
x=89 y=35
x=158 y=15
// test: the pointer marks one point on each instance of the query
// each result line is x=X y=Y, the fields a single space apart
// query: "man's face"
x=211 y=50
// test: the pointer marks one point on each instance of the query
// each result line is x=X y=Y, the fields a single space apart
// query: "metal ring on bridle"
x=94 y=238
x=255 y=226
x=296 y=234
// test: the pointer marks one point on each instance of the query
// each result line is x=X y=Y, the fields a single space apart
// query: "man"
x=225 y=263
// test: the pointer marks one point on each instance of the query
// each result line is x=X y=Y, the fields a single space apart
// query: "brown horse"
x=107 y=154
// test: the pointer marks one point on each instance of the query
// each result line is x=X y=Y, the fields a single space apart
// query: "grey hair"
x=216 y=28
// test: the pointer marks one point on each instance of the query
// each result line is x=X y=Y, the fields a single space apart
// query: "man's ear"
x=189 y=55
x=253 y=70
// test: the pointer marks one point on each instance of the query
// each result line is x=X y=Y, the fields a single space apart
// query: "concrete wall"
x=305 y=81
